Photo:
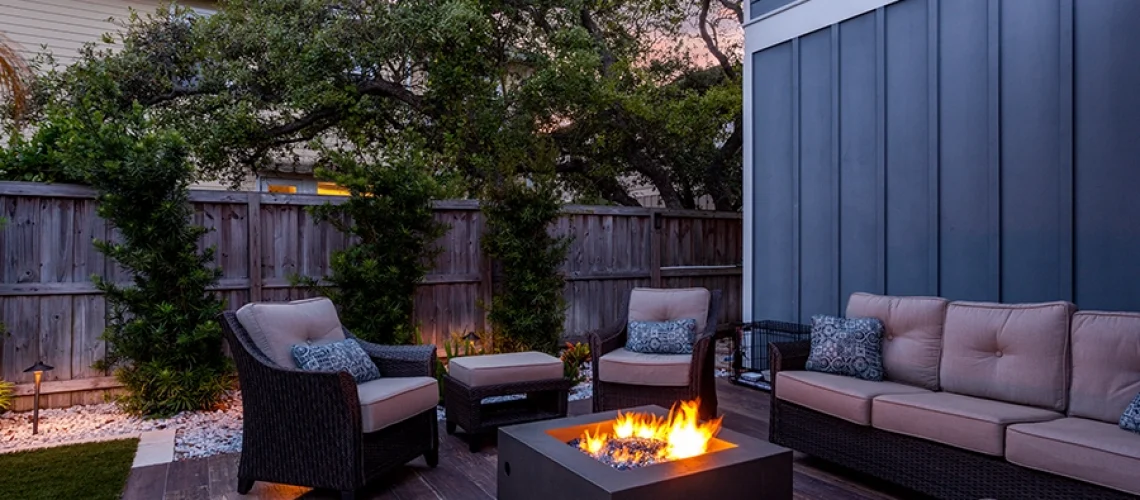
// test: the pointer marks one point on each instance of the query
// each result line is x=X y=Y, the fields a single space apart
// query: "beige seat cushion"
x=276 y=327
x=1087 y=450
x=848 y=398
x=495 y=369
x=1106 y=364
x=391 y=400
x=664 y=304
x=971 y=423
x=627 y=367
x=1017 y=353
x=912 y=336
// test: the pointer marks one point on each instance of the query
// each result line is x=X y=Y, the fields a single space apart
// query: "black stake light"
x=38 y=369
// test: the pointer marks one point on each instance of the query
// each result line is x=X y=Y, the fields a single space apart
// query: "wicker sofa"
x=321 y=429
x=624 y=379
x=980 y=400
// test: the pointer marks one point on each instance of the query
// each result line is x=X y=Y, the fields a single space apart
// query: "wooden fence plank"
x=51 y=306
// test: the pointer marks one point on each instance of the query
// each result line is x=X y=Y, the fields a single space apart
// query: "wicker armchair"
x=305 y=428
x=699 y=383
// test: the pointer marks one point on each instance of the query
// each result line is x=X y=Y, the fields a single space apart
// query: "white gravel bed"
x=199 y=433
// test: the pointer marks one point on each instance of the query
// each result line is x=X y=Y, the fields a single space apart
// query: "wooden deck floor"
x=463 y=475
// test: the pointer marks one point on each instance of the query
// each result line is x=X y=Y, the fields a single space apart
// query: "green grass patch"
x=95 y=471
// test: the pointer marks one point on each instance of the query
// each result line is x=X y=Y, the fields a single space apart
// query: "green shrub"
x=527 y=309
x=390 y=217
x=7 y=390
x=163 y=338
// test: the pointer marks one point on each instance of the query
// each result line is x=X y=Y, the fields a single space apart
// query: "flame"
x=682 y=433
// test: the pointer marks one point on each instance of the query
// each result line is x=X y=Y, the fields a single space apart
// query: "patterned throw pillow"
x=664 y=337
x=345 y=355
x=851 y=347
x=1130 y=420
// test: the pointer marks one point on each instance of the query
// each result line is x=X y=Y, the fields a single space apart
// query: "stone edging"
x=155 y=447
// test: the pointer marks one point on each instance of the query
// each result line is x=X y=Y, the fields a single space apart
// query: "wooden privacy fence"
x=53 y=312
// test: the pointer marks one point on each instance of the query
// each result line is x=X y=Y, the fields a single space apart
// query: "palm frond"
x=14 y=78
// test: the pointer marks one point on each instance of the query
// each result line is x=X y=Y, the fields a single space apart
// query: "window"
x=331 y=189
x=281 y=189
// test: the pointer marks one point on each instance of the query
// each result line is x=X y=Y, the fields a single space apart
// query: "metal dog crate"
x=750 y=349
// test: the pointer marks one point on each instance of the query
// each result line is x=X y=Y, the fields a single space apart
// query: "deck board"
x=465 y=475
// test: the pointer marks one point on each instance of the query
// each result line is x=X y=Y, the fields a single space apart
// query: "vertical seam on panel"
x=881 y=145
x=797 y=196
x=994 y=54
x=934 y=146
x=837 y=206
x=1067 y=208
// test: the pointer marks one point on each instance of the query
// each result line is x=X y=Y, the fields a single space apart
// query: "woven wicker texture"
x=702 y=382
x=923 y=466
x=304 y=428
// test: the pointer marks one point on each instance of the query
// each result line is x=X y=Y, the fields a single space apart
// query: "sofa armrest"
x=787 y=356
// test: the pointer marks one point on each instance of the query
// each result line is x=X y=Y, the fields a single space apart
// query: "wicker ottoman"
x=536 y=377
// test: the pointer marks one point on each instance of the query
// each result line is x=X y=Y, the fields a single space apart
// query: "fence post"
x=486 y=275
x=655 y=249
x=253 y=218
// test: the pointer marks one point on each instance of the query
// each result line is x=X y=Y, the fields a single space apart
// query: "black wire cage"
x=750 y=349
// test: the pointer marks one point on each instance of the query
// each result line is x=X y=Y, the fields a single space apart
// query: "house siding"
x=64 y=26
x=973 y=149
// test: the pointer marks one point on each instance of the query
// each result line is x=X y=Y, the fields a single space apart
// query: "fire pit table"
x=543 y=456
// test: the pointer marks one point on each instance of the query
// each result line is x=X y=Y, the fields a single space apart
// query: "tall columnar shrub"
x=163 y=339
x=528 y=307
x=390 y=218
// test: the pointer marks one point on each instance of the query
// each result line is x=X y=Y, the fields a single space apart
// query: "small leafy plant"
x=7 y=391
x=574 y=356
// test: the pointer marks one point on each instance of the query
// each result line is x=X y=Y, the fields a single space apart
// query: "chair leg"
x=432 y=457
x=244 y=485
x=450 y=427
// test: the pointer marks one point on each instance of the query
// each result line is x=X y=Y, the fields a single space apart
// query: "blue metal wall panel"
x=973 y=149
x=819 y=208
x=1107 y=148
x=860 y=192
x=908 y=133
x=1031 y=177
x=968 y=255
x=772 y=274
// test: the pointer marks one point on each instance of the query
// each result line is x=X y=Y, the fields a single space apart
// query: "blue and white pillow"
x=851 y=347
x=661 y=337
x=1130 y=420
x=345 y=355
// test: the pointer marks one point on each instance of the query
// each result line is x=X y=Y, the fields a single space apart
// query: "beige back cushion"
x=1017 y=353
x=912 y=336
x=665 y=304
x=276 y=327
x=1106 y=364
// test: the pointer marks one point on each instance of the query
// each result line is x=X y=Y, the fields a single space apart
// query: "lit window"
x=331 y=189
x=282 y=189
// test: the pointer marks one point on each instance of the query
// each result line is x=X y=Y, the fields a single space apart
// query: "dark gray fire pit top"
x=536 y=463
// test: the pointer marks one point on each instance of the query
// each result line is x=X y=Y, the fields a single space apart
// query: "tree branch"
x=702 y=23
x=608 y=186
x=714 y=171
x=596 y=34
x=735 y=8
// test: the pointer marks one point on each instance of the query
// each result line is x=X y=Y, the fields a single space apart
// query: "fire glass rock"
x=628 y=453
